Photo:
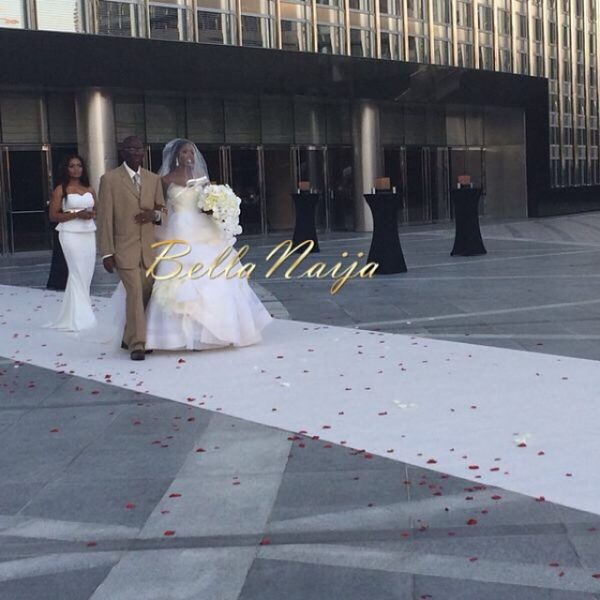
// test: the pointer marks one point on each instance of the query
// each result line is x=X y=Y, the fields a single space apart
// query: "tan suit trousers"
x=138 y=288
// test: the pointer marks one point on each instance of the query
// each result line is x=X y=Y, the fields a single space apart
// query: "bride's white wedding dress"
x=195 y=314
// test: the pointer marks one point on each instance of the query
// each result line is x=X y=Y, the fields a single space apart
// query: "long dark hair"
x=63 y=173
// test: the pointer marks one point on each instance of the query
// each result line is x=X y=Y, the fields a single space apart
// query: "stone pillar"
x=368 y=159
x=96 y=138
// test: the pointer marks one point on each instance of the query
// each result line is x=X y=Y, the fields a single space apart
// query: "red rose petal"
x=169 y=532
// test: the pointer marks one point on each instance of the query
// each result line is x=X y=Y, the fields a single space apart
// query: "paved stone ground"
x=135 y=497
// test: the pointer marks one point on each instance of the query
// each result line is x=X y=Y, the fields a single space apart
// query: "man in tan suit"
x=126 y=216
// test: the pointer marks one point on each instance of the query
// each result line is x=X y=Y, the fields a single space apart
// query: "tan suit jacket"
x=118 y=203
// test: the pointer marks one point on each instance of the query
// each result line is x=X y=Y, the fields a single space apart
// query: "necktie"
x=137 y=182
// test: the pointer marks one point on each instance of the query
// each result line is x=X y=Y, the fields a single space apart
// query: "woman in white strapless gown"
x=72 y=206
x=202 y=313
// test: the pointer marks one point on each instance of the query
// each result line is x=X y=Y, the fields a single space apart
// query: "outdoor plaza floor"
x=427 y=435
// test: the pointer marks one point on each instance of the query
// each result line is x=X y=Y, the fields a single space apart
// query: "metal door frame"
x=6 y=200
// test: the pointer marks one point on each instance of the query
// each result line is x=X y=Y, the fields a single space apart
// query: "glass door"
x=25 y=196
x=341 y=188
x=417 y=207
x=4 y=203
x=244 y=173
x=279 y=185
x=394 y=167
x=438 y=187
x=309 y=166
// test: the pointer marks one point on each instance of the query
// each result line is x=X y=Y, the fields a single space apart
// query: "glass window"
x=168 y=23
x=390 y=7
x=552 y=33
x=205 y=119
x=505 y=60
x=361 y=43
x=130 y=117
x=362 y=5
x=463 y=15
x=465 y=55
x=441 y=11
x=442 y=52
x=416 y=9
x=538 y=30
x=118 y=18
x=486 y=57
x=566 y=36
x=417 y=49
x=277 y=119
x=215 y=28
x=330 y=39
x=13 y=14
x=539 y=65
x=296 y=35
x=164 y=119
x=503 y=22
x=522 y=26
x=257 y=31
x=20 y=117
x=485 y=18
x=391 y=44
x=59 y=15
x=242 y=120
x=523 y=63
x=61 y=118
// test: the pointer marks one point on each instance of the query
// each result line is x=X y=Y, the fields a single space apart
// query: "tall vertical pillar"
x=96 y=137
x=368 y=159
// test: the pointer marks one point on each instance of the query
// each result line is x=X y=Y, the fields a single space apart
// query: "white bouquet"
x=224 y=205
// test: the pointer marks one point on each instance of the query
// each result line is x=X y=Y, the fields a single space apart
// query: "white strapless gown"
x=200 y=313
x=78 y=241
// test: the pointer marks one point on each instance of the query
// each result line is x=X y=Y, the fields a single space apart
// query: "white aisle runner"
x=524 y=421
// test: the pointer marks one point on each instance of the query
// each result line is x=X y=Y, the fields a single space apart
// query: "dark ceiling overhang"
x=51 y=60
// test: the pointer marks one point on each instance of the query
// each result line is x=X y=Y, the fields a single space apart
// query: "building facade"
x=333 y=92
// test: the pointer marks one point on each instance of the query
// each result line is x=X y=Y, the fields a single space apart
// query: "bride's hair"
x=171 y=154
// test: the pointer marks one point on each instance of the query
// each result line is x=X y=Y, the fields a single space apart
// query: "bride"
x=202 y=313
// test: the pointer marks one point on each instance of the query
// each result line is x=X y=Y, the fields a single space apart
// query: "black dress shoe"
x=137 y=355
x=124 y=346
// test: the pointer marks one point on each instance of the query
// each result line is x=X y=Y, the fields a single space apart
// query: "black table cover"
x=467 y=241
x=305 y=228
x=385 y=249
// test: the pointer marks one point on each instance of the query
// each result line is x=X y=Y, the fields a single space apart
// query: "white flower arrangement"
x=225 y=207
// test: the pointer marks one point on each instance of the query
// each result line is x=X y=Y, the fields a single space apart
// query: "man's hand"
x=109 y=263
x=146 y=216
